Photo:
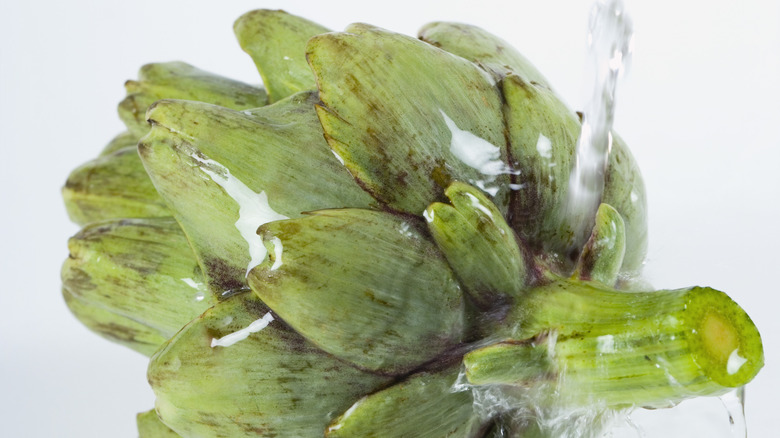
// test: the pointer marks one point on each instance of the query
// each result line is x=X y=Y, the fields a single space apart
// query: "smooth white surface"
x=700 y=110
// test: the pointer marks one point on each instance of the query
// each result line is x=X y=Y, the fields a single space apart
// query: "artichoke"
x=371 y=246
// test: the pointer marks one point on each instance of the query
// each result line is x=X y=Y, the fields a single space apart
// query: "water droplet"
x=606 y=344
x=174 y=364
x=278 y=249
x=192 y=283
x=479 y=206
x=735 y=362
x=544 y=146
x=405 y=230
x=338 y=157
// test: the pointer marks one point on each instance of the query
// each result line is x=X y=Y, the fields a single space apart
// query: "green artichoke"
x=371 y=246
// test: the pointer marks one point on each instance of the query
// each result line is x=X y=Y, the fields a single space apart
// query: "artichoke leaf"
x=114 y=327
x=179 y=80
x=223 y=173
x=482 y=48
x=150 y=426
x=479 y=245
x=282 y=64
x=365 y=286
x=408 y=119
x=272 y=382
x=425 y=405
x=141 y=269
x=112 y=186
x=602 y=256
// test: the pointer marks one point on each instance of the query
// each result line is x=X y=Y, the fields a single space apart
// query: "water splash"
x=610 y=42
x=529 y=410
x=540 y=407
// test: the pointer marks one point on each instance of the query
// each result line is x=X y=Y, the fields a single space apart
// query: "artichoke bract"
x=369 y=245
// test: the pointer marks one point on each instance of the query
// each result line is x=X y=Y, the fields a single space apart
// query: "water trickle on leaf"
x=278 y=249
x=240 y=335
x=479 y=154
x=253 y=212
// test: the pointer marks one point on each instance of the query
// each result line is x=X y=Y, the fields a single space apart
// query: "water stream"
x=610 y=41
x=610 y=44
x=734 y=402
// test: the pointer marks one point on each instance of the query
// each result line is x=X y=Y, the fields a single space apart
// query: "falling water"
x=610 y=41
x=610 y=44
x=734 y=402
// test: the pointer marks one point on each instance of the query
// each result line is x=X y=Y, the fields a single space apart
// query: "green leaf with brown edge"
x=141 y=269
x=150 y=426
x=276 y=41
x=479 y=245
x=365 y=286
x=114 y=327
x=408 y=118
x=425 y=405
x=179 y=80
x=482 y=48
x=223 y=376
x=602 y=255
x=112 y=186
x=223 y=173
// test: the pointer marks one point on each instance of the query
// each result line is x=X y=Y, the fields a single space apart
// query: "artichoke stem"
x=589 y=345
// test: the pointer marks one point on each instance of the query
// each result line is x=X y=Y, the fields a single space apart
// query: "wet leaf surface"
x=366 y=286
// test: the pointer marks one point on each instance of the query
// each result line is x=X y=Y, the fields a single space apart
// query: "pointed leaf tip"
x=281 y=64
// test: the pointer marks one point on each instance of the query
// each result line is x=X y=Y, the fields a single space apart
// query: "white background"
x=700 y=109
